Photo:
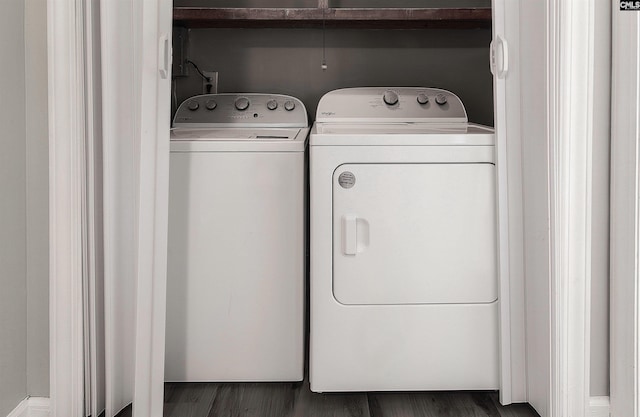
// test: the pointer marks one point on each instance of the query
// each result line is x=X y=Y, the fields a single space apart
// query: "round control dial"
x=390 y=97
x=422 y=98
x=272 y=104
x=211 y=104
x=289 y=105
x=242 y=103
x=193 y=105
x=441 y=99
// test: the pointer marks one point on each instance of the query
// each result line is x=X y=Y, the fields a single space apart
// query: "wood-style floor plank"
x=189 y=399
x=296 y=400
x=309 y=404
x=432 y=404
x=254 y=400
x=125 y=412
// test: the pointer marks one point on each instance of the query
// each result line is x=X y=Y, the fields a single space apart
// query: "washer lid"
x=391 y=104
x=238 y=140
x=227 y=134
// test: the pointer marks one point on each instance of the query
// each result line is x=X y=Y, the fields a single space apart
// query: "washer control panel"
x=391 y=104
x=238 y=110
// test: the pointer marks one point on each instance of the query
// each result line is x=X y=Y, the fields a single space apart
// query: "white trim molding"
x=570 y=115
x=65 y=26
x=31 y=407
x=155 y=113
x=21 y=410
x=625 y=215
x=38 y=407
x=599 y=407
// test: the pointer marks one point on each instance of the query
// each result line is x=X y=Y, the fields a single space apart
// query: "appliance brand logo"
x=328 y=113
x=629 y=5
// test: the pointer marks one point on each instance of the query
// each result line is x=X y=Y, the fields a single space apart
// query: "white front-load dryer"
x=404 y=282
x=236 y=244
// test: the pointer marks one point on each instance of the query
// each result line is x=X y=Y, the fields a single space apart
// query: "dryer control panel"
x=391 y=104
x=241 y=110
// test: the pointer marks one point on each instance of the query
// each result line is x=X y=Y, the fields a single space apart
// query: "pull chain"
x=324 y=48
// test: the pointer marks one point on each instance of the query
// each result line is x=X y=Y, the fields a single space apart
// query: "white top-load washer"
x=404 y=284
x=236 y=261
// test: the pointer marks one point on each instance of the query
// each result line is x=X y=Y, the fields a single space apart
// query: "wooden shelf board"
x=467 y=18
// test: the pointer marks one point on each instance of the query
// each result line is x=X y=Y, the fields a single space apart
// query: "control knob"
x=242 y=103
x=390 y=97
x=211 y=104
x=423 y=98
x=441 y=99
x=272 y=104
x=193 y=105
x=289 y=105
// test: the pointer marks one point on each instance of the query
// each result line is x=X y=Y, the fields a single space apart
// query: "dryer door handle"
x=355 y=234
x=349 y=234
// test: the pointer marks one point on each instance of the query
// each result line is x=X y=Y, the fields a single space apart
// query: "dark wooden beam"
x=382 y=18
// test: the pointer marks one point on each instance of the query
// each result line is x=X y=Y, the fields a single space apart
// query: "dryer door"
x=414 y=233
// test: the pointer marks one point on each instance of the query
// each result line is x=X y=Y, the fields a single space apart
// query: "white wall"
x=24 y=250
x=13 y=293
x=37 y=198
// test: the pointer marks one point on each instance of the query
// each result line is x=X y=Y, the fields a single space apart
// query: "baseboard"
x=38 y=407
x=31 y=407
x=599 y=407
x=22 y=410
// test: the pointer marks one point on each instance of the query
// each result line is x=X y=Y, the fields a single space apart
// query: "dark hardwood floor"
x=296 y=400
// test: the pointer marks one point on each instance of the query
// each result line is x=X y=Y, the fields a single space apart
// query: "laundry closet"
x=345 y=131
x=305 y=50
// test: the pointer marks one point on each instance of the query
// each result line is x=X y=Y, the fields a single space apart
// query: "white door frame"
x=155 y=114
x=625 y=213
x=559 y=386
x=570 y=111
x=66 y=103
